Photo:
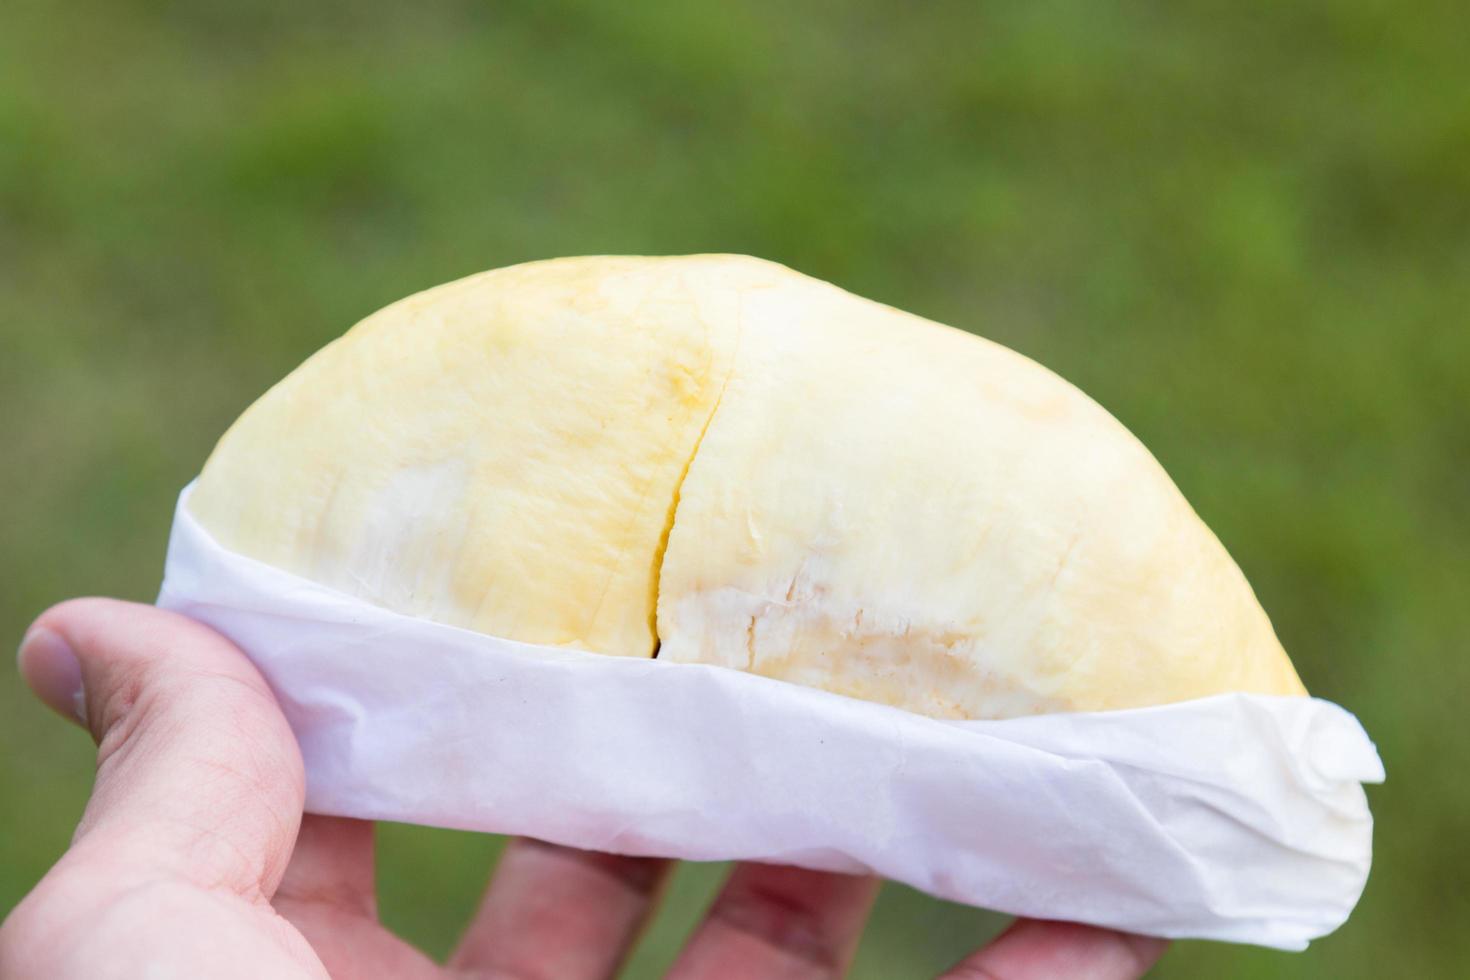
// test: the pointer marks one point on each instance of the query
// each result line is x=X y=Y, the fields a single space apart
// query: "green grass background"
x=1243 y=227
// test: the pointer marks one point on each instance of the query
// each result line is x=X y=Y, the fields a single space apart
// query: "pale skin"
x=193 y=857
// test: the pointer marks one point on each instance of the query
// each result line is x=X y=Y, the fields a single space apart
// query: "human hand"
x=193 y=857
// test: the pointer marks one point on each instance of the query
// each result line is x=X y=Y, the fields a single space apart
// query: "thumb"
x=198 y=775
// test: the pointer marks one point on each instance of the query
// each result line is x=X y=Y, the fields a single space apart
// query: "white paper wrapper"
x=1236 y=817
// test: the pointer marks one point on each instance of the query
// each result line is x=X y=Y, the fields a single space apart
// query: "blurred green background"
x=1244 y=228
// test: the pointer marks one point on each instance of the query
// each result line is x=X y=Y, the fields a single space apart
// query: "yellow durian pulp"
x=715 y=459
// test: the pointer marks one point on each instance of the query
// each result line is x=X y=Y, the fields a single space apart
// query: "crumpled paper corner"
x=1236 y=817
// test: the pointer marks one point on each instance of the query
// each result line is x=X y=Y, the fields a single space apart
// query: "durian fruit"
x=714 y=459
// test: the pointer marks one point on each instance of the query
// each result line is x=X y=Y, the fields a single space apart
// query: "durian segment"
x=891 y=509
x=500 y=453
x=877 y=505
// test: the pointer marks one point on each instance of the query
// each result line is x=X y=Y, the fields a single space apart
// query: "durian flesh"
x=715 y=459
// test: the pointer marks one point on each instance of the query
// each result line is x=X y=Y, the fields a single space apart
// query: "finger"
x=198 y=775
x=332 y=867
x=329 y=895
x=771 y=921
x=1035 y=950
x=553 y=911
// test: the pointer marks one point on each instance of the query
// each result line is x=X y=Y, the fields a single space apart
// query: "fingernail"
x=53 y=673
